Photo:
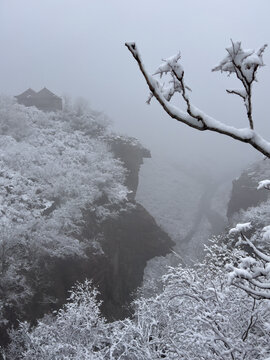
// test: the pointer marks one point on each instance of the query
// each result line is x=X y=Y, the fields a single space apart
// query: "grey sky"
x=77 y=47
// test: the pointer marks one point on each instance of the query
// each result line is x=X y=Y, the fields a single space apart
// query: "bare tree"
x=243 y=63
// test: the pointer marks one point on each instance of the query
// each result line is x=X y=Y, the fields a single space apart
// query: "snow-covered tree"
x=197 y=315
x=77 y=331
x=55 y=169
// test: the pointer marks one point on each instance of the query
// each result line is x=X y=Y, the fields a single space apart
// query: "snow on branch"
x=264 y=184
x=244 y=63
x=240 y=228
x=266 y=233
x=252 y=274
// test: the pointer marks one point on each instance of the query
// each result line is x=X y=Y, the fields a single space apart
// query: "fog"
x=76 y=47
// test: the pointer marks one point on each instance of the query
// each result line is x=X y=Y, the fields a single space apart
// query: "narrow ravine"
x=205 y=210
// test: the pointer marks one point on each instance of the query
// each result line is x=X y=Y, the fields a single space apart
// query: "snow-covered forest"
x=57 y=172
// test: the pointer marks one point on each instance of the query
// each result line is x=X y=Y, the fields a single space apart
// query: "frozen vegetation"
x=57 y=166
x=196 y=311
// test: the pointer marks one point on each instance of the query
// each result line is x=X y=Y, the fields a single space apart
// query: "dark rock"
x=132 y=154
x=244 y=190
x=130 y=241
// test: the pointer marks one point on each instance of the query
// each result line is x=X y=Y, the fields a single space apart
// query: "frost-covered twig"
x=244 y=63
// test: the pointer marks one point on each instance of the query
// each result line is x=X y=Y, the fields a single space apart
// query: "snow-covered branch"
x=244 y=63
x=252 y=274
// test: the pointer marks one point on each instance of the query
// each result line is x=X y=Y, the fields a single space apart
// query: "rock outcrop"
x=131 y=153
x=127 y=242
x=131 y=240
x=244 y=190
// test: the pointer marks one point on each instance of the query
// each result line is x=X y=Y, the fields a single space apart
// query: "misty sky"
x=77 y=47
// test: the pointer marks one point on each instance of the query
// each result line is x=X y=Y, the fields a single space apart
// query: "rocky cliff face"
x=131 y=240
x=131 y=153
x=127 y=243
x=244 y=191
